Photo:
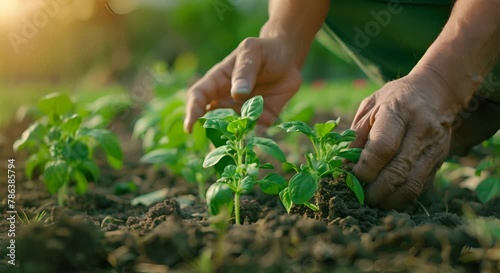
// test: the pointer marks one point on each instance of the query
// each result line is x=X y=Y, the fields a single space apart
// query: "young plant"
x=241 y=171
x=489 y=188
x=63 y=147
x=330 y=149
x=166 y=143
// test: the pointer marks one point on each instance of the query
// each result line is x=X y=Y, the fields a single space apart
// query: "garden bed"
x=102 y=232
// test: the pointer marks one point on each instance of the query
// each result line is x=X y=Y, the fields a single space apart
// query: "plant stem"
x=201 y=189
x=237 y=207
x=61 y=194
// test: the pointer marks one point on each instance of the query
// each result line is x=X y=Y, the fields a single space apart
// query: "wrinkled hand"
x=405 y=129
x=259 y=66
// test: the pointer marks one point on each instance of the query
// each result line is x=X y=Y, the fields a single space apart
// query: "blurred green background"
x=98 y=46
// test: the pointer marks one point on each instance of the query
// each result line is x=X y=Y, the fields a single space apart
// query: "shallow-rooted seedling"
x=63 y=146
x=330 y=150
x=241 y=170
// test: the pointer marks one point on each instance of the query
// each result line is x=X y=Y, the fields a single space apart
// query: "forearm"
x=467 y=48
x=296 y=22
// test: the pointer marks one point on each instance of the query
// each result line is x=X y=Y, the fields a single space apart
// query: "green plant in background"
x=330 y=149
x=241 y=172
x=489 y=188
x=166 y=143
x=62 y=143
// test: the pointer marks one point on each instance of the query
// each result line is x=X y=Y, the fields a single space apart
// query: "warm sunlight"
x=9 y=10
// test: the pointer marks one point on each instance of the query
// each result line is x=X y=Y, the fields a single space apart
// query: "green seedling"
x=330 y=149
x=166 y=144
x=489 y=188
x=241 y=170
x=63 y=147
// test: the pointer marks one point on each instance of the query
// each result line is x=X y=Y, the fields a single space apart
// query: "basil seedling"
x=241 y=163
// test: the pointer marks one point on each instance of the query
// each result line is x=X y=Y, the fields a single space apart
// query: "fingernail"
x=240 y=86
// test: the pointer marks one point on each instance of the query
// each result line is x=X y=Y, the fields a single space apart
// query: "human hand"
x=405 y=129
x=259 y=66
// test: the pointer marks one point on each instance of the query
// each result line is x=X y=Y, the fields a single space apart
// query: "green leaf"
x=161 y=156
x=108 y=106
x=215 y=156
x=219 y=198
x=81 y=182
x=269 y=146
x=355 y=186
x=312 y=206
x=319 y=166
x=77 y=150
x=55 y=104
x=297 y=126
x=71 y=124
x=483 y=165
x=111 y=146
x=199 y=137
x=220 y=126
x=229 y=171
x=267 y=166
x=273 y=184
x=351 y=154
x=173 y=134
x=31 y=163
x=302 y=111
x=285 y=199
x=237 y=126
x=335 y=163
x=150 y=198
x=252 y=108
x=488 y=189
x=125 y=187
x=253 y=169
x=246 y=184
x=348 y=136
x=56 y=174
x=302 y=187
x=33 y=134
x=143 y=124
x=322 y=129
x=219 y=114
x=90 y=167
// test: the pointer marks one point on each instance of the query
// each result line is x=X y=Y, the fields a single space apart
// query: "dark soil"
x=102 y=232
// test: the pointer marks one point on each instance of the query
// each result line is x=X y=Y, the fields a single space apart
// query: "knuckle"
x=367 y=101
x=383 y=149
x=411 y=189
x=248 y=44
x=397 y=171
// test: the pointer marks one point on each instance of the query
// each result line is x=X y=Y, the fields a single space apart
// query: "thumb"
x=246 y=68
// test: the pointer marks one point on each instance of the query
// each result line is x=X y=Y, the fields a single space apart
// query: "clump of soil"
x=156 y=215
x=68 y=245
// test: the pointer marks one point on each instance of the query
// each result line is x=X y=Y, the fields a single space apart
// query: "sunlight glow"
x=9 y=10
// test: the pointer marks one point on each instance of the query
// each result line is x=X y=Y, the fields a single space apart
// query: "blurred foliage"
x=484 y=178
x=79 y=38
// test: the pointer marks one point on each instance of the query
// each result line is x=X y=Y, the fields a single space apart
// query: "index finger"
x=215 y=85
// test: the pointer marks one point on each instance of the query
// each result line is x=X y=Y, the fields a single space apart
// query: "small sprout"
x=63 y=146
x=236 y=154
x=330 y=149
